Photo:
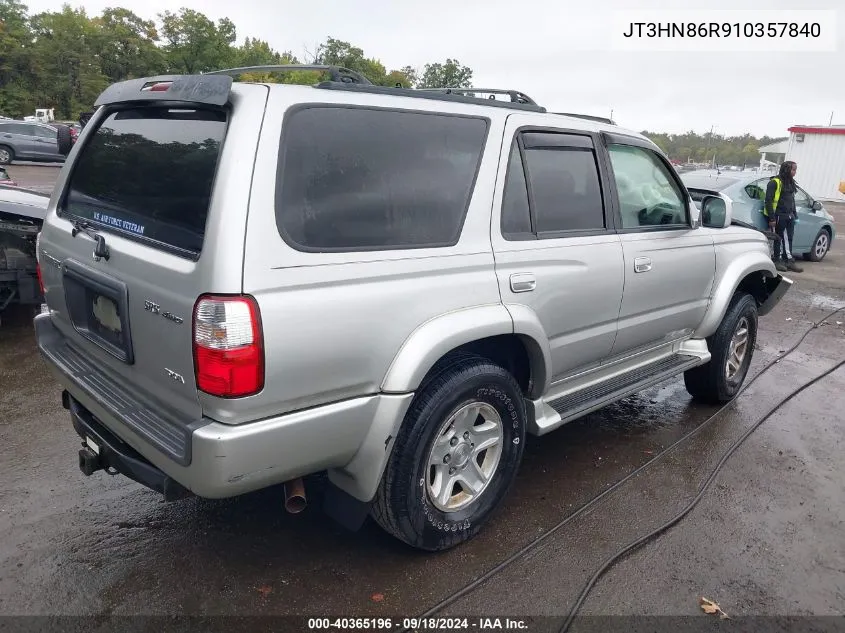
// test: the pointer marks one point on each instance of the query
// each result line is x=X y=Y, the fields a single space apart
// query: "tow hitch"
x=89 y=461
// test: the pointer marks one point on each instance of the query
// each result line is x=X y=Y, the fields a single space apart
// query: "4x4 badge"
x=155 y=308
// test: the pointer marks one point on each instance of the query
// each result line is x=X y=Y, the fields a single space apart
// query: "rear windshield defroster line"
x=148 y=173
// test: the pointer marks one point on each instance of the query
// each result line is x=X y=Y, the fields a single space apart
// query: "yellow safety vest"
x=775 y=200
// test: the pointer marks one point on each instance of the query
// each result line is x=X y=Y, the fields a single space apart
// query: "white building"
x=820 y=154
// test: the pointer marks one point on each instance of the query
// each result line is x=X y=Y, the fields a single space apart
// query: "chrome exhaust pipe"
x=295 y=500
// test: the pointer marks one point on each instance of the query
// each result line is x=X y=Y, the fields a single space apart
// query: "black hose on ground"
x=692 y=504
x=472 y=586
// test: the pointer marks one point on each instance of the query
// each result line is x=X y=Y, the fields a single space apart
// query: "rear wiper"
x=101 y=251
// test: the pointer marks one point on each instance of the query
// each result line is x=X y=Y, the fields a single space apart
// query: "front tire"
x=731 y=348
x=456 y=455
x=7 y=155
x=821 y=245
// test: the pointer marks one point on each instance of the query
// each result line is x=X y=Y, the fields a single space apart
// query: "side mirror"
x=817 y=206
x=716 y=212
x=64 y=139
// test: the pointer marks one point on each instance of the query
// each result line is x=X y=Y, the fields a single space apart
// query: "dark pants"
x=785 y=228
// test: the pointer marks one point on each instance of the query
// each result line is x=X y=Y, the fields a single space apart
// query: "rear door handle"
x=523 y=282
x=642 y=265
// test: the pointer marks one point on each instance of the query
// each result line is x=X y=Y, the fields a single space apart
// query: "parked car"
x=815 y=228
x=6 y=179
x=21 y=216
x=20 y=140
x=408 y=283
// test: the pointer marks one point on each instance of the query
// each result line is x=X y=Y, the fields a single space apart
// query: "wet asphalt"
x=768 y=538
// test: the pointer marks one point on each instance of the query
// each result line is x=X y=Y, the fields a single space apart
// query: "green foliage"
x=450 y=74
x=195 y=44
x=127 y=45
x=731 y=150
x=64 y=59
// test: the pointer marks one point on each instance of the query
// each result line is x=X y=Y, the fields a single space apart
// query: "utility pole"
x=830 y=123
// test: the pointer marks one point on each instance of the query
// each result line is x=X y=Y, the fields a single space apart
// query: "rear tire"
x=7 y=155
x=468 y=402
x=731 y=348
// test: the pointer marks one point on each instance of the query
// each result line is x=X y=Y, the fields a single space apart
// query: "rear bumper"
x=223 y=460
x=113 y=454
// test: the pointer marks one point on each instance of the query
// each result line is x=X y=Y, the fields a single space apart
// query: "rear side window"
x=148 y=173
x=371 y=179
x=555 y=189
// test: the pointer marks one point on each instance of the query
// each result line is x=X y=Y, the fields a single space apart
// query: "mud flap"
x=778 y=287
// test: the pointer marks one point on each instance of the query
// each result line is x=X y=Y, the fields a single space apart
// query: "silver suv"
x=250 y=283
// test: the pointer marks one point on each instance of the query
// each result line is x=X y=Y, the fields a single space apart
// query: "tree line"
x=64 y=59
x=701 y=148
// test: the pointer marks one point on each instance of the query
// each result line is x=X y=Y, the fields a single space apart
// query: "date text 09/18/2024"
x=417 y=624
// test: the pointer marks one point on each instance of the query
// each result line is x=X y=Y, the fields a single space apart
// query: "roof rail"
x=435 y=94
x=337 y=73
x=515 y=95
x=589 y=117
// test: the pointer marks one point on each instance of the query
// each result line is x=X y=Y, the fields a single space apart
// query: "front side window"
x=802 y=199
x=648 y=195
x=372 y=179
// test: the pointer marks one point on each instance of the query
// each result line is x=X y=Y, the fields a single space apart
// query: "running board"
x=583 y=401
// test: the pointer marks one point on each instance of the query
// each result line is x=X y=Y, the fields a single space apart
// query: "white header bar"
x=724 y=31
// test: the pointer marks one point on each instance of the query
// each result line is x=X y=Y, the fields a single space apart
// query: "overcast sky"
x=560 y=53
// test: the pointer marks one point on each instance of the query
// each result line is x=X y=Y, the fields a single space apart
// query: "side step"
x=583 y=401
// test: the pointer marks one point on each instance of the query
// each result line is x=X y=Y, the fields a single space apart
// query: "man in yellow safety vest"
x=779 y=209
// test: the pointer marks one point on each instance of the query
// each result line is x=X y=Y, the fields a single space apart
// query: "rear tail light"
x=228 y=349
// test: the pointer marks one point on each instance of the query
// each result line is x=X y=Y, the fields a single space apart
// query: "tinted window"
x=17 y=128
x=565 y=190
x=648 y=195
x=355 y=178
x=516 y=217
x=148 y=172
x=44 y=132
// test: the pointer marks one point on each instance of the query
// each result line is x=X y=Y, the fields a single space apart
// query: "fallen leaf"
x=264 y=590
x=377 y=597
x=839 y=323
x=711 y=608
x=788 y=318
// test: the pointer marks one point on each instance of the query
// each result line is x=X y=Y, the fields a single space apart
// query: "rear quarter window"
x=148 y=173
x=374 y=179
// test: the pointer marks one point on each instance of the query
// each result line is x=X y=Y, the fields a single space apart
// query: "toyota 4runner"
x=249 y=283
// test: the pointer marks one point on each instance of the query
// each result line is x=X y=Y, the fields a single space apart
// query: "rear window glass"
x=148 y=172
x=357 y=178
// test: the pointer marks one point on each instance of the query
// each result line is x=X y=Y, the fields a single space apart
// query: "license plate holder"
x=98 y=308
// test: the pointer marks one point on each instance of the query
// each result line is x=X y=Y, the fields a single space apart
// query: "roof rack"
x=515 y=95
x=337 y=73
x=435 y=94
x=589 y=117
